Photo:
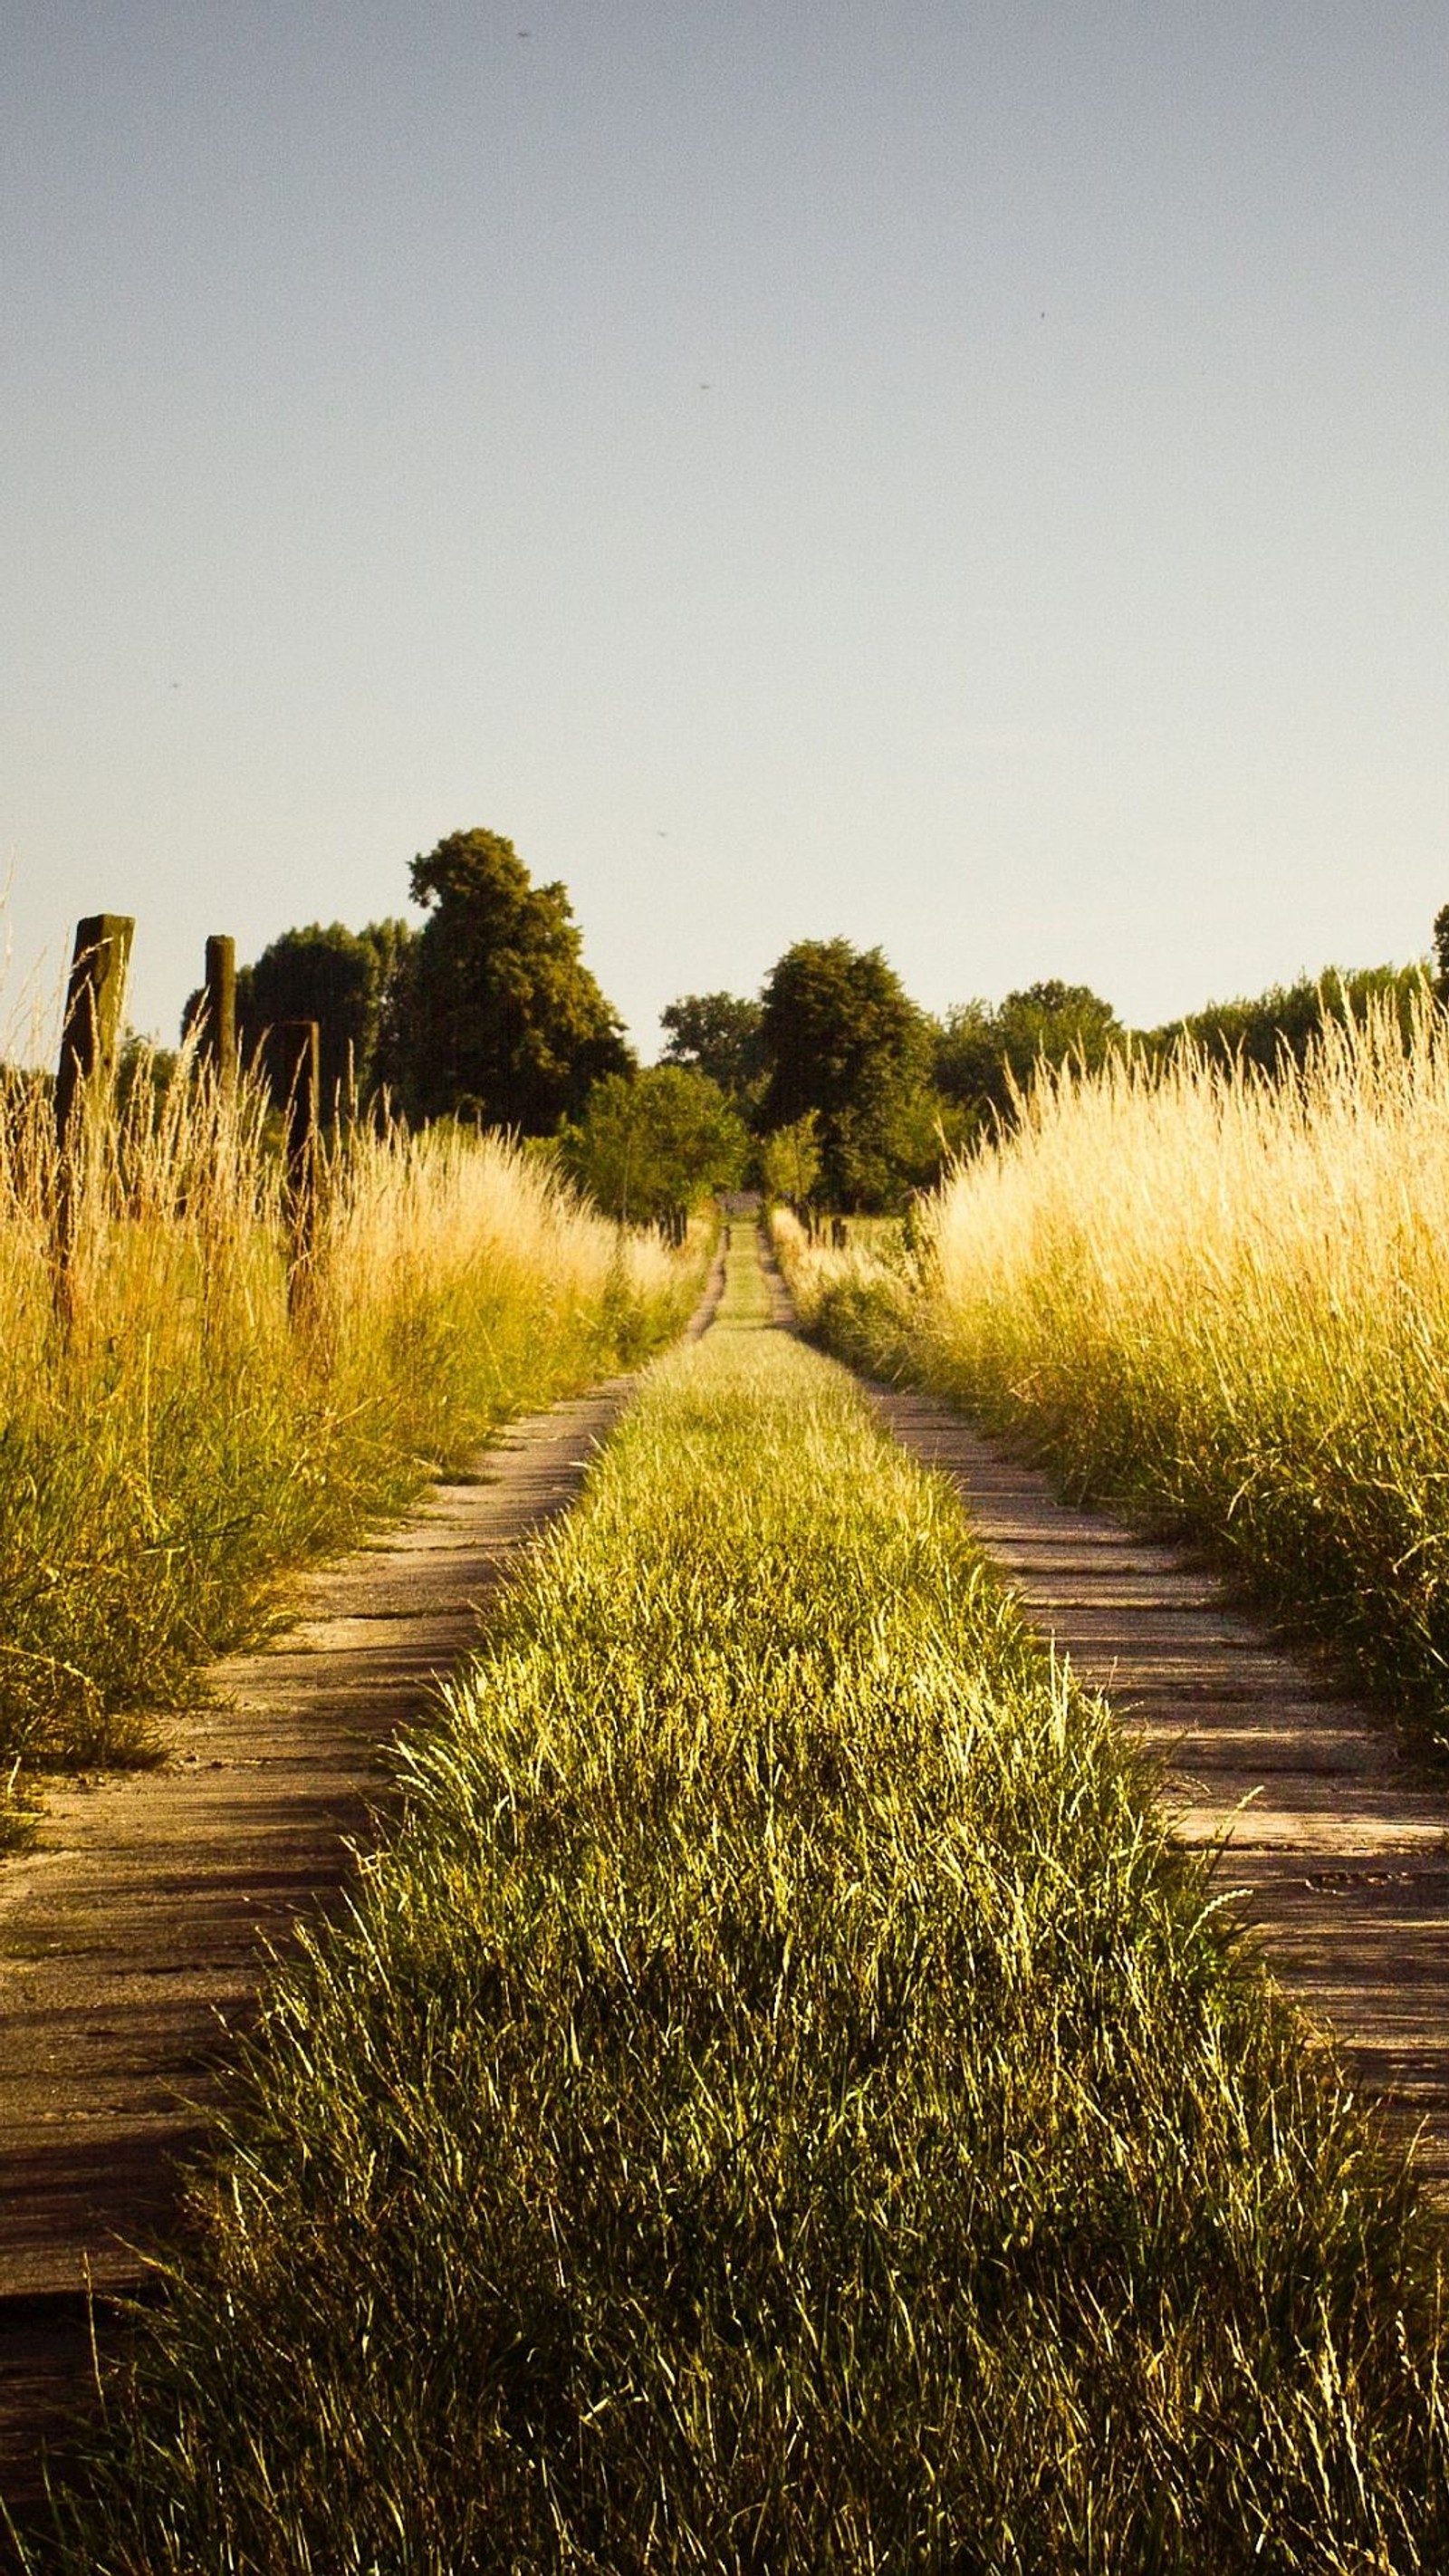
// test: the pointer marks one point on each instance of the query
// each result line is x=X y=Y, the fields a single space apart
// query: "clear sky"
x=969 y=475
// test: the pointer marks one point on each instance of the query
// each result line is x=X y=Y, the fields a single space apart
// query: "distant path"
x=133 y=1935
x=1340 y=1849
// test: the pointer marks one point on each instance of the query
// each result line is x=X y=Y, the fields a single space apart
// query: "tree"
x=142 y=1068
x=982 y=1055
x=789 y=1159
x=343 y=979
x=497 y=1012
x=1277 y=1028
x=843 y=1038
x=718 y=1034
x=663 y=1139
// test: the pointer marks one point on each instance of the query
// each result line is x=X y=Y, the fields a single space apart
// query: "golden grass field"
x=1219 y=1299
x=181 y=1436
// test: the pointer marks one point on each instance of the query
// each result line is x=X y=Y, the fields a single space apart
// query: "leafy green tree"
x=1279 y=1026
x=392 y=942
x=981 y=1055
x=789 y=1159
x=718 y=1034
x=343 y=979
x=843 y=1038
x=497 y=1012
x=658 y=1140
x=142 y=1067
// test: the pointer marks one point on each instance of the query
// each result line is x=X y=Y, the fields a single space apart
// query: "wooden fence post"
x=219 y=1037
x=94 y=998
x=90 y=1034
x=295 y=1048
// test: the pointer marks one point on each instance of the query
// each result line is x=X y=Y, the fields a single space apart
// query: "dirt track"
x=131 y=1941
x=134 y=1934
x=1340 y=1847
x=1338 y=1844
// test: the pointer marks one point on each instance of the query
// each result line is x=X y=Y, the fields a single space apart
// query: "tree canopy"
x=789 y=1159
x=1277 y=1027
x=718 y=1034
x=662 y=1139
x=497 y=1013
x=983 y=1053
x=343 y=979
x=843 y=1038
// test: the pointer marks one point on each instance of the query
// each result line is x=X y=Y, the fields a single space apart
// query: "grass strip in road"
x=783 y=2103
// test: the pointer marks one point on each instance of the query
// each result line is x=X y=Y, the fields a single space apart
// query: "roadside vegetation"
x=1283 y=1024
x=782 y=2102
x=1218 y=1299
x=649 y=1145
x=839 y=1091
x=183 y=1438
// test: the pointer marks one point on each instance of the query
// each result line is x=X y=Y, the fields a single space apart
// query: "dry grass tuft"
x=177 y=1440
x=1220 y=1300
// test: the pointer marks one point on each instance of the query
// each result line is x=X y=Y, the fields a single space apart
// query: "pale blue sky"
x=968 y=477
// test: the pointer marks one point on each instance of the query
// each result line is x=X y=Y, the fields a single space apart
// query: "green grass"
x=783 y=2103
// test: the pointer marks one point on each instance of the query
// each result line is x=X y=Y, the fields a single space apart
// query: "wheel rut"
x=1335 y=1844
x=133 y=1938
x=135 y=1933
x=1336 y=1847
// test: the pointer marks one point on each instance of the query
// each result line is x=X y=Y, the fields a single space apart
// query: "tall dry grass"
x=179 y=1439
x=1220 y=1299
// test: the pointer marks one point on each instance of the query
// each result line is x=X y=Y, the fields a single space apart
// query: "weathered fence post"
x=295 y=1048
x=219 y=1035
x=94 y=999
x=90 y=1033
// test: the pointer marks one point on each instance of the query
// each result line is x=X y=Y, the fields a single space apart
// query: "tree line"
x=831 y=1086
